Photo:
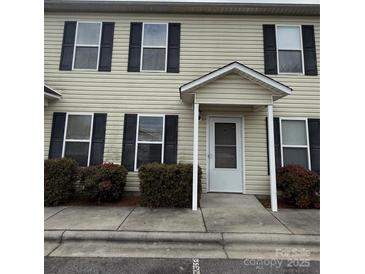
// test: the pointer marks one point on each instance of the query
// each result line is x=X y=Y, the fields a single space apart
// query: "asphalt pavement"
x=57 y=265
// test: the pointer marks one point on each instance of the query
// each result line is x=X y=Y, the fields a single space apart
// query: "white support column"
x=195 y=157
x=270 y=118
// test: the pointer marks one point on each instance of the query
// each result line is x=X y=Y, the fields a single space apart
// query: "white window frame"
x=277 y=49
x=162 y=142
x=156 y=47
x=282 y=146
x=78 y=140
x=87 y=45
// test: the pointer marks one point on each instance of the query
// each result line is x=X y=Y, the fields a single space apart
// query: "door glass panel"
x=225 y=134
x=225 y=145
x=225 y=157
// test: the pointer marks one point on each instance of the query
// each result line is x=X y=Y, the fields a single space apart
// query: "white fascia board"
x=278 y=87
x=51 y=96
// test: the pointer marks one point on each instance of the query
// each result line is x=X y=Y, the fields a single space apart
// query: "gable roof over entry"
x=277 y=89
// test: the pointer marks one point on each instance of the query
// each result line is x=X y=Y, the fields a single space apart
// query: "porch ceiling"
x=249 y=87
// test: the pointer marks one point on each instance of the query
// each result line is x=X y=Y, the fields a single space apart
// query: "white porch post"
x=195 y=157
x=270 y=118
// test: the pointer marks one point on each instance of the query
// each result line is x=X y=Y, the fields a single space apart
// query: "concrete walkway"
x=228 y=218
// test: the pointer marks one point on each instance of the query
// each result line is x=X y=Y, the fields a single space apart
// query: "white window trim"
x=277 y=50
x=77 y=140
x=307 y=146
x=162 y=142
x=157 y=47
x=87 y=45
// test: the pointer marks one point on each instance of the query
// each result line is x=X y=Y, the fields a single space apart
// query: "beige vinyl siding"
x=207 y=43
x=233 y=89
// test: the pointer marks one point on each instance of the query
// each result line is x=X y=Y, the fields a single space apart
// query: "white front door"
x=225 y=154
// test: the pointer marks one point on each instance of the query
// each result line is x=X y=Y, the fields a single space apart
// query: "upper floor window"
x=154 y=47
x=87 y=45
x=295 y=142
x=290 y=49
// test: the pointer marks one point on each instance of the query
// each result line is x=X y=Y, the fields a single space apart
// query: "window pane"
x=78 y=127
x=289 y=38
x=88 y=33
x=150 y=128
x=153 y=59
x=154 y=35
x=225 y=133
x=225 y=157
x=290 y=61
x=298 y=156
x=294 y=132
x=148 y=153
x=86 y=58
x=77 y=151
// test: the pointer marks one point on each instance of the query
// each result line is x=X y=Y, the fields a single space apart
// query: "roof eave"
x=183 y=7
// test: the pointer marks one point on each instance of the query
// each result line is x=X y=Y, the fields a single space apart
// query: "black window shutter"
x=171 y=129
x=135 y=40
x=309 y=49
x=270 y=49
x=276 y=142
x=68 y=45
x=106 y=46
x=98 y=139
x=314 y=143
x=57 y=134
x=173 y=53
x=129 y=141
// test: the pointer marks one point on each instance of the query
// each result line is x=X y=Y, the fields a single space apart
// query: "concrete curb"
x=52 y=235
x=275 y=239
x=186 y=237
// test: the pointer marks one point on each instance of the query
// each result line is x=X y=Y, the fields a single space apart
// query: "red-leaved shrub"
x=103 y=182
x=299 y=185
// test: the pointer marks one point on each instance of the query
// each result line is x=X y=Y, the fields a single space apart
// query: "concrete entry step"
x=230 y=200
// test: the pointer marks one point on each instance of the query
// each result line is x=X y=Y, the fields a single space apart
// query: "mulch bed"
x=282 y=203
x=123 y=202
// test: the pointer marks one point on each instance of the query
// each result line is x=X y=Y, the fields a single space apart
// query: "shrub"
x=103 y=183
x=60 y=176
x=167 y=185
x=299 y=185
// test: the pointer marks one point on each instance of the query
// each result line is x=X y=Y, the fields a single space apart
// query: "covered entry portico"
x=233 y=85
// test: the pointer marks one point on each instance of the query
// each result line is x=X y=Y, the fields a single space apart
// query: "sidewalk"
x=226 y=226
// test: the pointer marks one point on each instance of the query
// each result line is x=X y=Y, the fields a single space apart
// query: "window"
x=77 y=141
x=290 y=49
x=150 y=139
x=87 y=45
x=154 y=47
x=294 y=142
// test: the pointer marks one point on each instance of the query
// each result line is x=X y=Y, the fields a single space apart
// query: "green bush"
x=60 y=176
x=102 y=183
x=167 y=185
x=299 y=185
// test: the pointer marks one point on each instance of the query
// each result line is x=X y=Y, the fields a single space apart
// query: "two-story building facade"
x=232 y=87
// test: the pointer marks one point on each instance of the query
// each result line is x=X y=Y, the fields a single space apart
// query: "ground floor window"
x=77 y=140
x=149 y=139
x=295 y=142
